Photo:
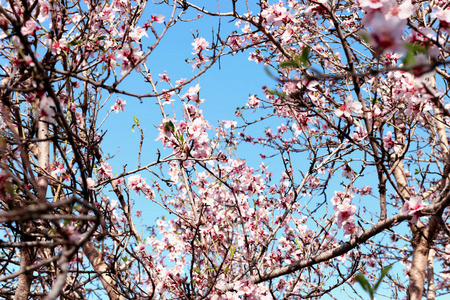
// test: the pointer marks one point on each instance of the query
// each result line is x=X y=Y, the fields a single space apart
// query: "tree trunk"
x=423 y=236
x=431 y=293
x=25 y=279
x=101 y=268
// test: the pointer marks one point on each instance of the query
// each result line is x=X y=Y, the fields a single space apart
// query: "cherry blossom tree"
x=351 y=139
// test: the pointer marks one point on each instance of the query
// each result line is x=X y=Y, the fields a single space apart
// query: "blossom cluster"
x=345 y=210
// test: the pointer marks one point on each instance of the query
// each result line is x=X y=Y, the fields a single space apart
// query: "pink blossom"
x=29 y=27
x=345 y=211
x=244 y=288
x=58 y=170
x=192 y=93
x=387 y=141
x=137 y=33
x=157 y=18
x=44 y=10
x=403 y=11
x=230 y=124
x=137 y=184
x=360 y=133
x=348 y=107
x=386 y=32
x=166 y=130
x=104 y=171
x=347 y=172
x=47 y=109
x=164 y=77
x=199 y=44
x=443 y=15
x=373 y=4
x=119 y=105
x=413 y=206
x=140 y=249
x=417 y=107
x=276 y=14
x=365 y=190
x=107 y=14
x=253 y=102
x=131 y=58
x=91 y=183
x=57 y=46
x=350 y=229
x=73 y=234
x=287 y=33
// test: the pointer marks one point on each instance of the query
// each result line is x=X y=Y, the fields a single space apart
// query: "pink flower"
x=164 y=77
x=348 y=107
x=44 y=11
x=387 y=141
x=138 y=184
x=345 y=211
x=199 y=44
x=137 y=33
x=29 y=27
x=157 y=18
x=131 y=58
x=91 y=183
x=57 y=46
x=413 y=206
x=386 y=32
x=253 y=102
x=350 y=229
x=104 y=171
x=403 y=11
x=347 y=172
x=73 y=234
x=119 y=105
x=140 y=250
x=276 y=14
x=192 y=93
x=244 y=288
x=444 y=19
x=373 y=4
x=58 y=170
x=288 y=33
x=47 y=109
x=365 y=190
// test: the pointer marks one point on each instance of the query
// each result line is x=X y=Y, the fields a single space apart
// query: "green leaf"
x=169 y=126
x=232 y=251
x=384 y=272
x=365 y=36
x=365 y=284
x=266 y=69
x=416 y=172
x=415 y=49
x=409 y=59
x=412 y=50
x=277 y=93
x=136 y=120
x=304 y=57
x=289 y=64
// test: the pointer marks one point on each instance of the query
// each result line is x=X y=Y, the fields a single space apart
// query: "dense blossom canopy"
x=354 y=159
